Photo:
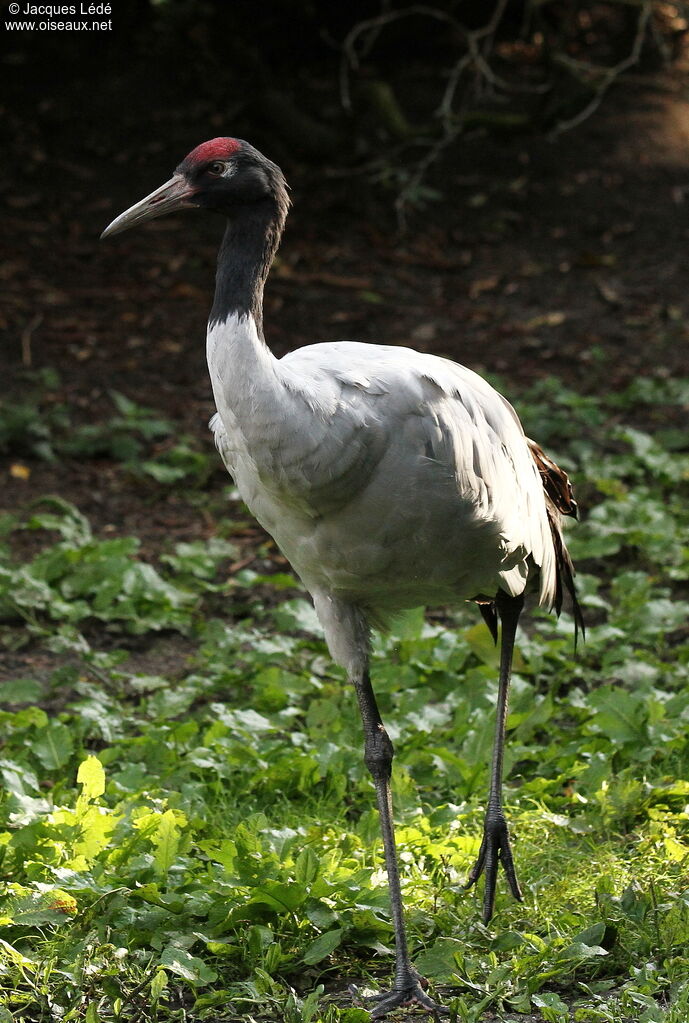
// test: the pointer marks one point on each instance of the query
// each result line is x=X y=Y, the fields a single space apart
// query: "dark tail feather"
x=555 y=481
x=490 y=617
x=565 y=574
x=559 y=500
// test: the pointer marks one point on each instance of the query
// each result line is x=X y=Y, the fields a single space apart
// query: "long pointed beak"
x=175 y=194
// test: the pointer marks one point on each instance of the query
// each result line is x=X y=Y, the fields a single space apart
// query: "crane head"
x=221 y=175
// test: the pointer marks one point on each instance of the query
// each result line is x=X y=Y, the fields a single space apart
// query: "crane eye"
x=217 y=167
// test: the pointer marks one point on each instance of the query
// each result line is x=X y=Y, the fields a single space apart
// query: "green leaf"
x=506 y=941
x=16 y=957
x=592 y=935
x=481 y=642
x=92 y=1015
x=579 y=951
x=619 y=715
x=65 y=519
x=297 y=614
x=439 y=962
x=21 y=690
x=54 y=746
x=158 y=985
x=201 y=558
x=307 y=867
x=310 y=1005
x=553 y=1009
x=18 y=778
x=36 y=909
x=322 y=947
x=320 y=914
x=187 y=966
x=281 y=897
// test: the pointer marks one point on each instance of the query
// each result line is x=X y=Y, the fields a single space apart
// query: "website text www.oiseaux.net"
x=82 y=17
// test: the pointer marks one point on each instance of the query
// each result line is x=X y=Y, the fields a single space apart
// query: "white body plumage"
x=389 y=478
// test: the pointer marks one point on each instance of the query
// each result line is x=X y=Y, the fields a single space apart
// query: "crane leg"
x=495 y=846
x=378 y=753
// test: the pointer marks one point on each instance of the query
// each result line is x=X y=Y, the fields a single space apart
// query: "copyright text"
x=52 y=17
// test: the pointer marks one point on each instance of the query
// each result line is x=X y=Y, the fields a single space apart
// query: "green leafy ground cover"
x=203 y=846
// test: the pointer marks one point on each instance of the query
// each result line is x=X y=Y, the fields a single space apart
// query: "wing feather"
x=386 y=446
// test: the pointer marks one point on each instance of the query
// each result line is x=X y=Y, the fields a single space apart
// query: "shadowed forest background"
x=531 y=159
x=503 y=183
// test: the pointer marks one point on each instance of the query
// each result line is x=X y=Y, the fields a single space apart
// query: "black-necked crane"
x=390 y=479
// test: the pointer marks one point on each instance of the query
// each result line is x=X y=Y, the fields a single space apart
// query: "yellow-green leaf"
x=166 y=841
x=92 y=777
x=158 y=984
x=8 y=951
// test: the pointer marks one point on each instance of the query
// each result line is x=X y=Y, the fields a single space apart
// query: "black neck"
x=251 y=239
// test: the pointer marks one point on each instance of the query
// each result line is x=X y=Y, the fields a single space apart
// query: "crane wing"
x=393 y=472
x=391 y=414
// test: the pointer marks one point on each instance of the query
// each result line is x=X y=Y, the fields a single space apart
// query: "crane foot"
x=409 y=992
x=495 y=849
